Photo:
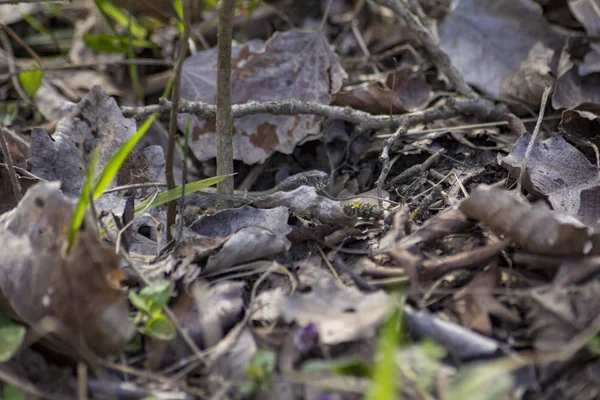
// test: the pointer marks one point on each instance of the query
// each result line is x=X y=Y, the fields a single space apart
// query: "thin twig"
x=18 y=39
x=10 y=59
x=169 y=159
x=362 y=120
x=547 y=91
x=224 y=114
x=14 y=180
x=435 y=51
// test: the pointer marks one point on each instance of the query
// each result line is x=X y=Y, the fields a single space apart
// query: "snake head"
x=315 y=178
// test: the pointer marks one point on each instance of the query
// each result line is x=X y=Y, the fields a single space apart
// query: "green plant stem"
x=183 y=48
x=224 y=114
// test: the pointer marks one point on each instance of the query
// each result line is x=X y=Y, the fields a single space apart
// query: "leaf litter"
x=497 y=288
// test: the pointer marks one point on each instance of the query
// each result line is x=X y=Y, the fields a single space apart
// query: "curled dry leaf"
x=97 y=122
x=79 y=292
x=535 y=228
x=292 y=65
x=528 y=82
x=572 y=86
x=557 y=314
x=475 y=304
x=586 y=13
x=559 y=172
x=487 y=40
x=340 y=314
x=403 y=91
x=249 y=233
x=582 y=123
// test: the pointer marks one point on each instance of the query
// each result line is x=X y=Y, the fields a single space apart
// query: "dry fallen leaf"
x=293 y=65
x=340 y=314
x=528 y=82
x=559 y=172
x=80 y=292
x=535 y=228
x=487 y=40
x=403 y=91
x=474 y=304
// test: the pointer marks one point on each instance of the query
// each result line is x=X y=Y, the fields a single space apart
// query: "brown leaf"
x=488 y=40
x=206 y=314
x=293 y=65
x=535 y=228
x=572 y=86
x=340 y=314
x=559 y=172
x=528 y=82
x=474 y=304
x=402 y=92
x=79 y=292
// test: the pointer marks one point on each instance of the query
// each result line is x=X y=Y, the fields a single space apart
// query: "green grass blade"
x=174 y=194
x=385 y=376
x=109 y=9
x=112 y=167
x=83 y=203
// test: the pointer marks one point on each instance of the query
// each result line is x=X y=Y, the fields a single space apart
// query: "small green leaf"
x=593 y=346
x=11 y=392
x=11 y=338
x=157 y=295
x=139 y=302
x=159 y=327
x=134 y=345
x=261 y=366
x=31 y=81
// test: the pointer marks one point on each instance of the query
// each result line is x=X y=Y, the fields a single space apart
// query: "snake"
x=207 y=199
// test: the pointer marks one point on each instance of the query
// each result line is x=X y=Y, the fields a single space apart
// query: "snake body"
x=207 y=199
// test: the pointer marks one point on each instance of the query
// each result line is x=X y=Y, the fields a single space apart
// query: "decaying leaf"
x=340 y=314
x=572 y=87
x=586 y=13
x=487 y=40
x=79 y=293
x=535 y=228
x=582 y=122
x=528 y=82
x=98 y=122
x=293 y=65
x=557 y=314
x=8 y=200
x=207 y=314
x=559 y=172
x=403 y=91
x=474 y=304
x=250 y=234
